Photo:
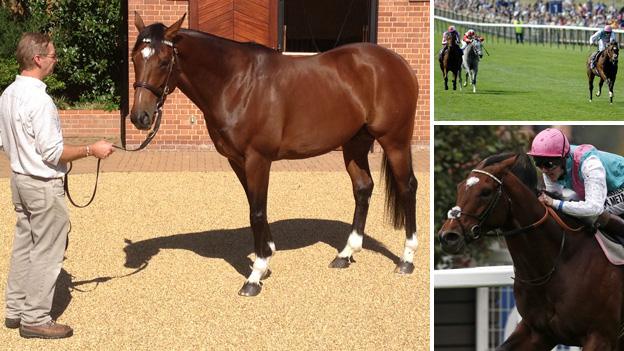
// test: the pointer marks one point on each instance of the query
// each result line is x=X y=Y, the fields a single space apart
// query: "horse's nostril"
x=450 y=238
x=145 y=119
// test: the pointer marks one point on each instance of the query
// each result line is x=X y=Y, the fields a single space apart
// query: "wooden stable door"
x=240 y=20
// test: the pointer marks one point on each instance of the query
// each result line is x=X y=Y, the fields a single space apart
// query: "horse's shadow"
x=234 y=245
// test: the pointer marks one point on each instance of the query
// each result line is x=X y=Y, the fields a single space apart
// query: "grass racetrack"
x=527 y=82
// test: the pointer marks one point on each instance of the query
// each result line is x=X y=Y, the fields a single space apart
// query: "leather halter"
x=161 y=94
x=456 y=211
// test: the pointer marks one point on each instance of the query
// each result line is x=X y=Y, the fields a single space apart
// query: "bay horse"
x=470 y=62
x=606 y=68
x=451 y=62
x=261 y=106
x=566 y=290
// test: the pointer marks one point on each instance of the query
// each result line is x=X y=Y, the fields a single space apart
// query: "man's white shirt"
x=30 y=129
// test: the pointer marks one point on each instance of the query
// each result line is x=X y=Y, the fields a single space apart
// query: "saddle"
x=594 y=61
x=610 y=237
x=609 y=234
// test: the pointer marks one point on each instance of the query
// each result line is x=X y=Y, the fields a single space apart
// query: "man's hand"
x=101 y=149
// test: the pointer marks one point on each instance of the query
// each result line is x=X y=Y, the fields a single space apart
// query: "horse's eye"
x=486 y=192
x=164 y=64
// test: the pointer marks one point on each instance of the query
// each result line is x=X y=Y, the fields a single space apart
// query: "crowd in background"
x=565 y=13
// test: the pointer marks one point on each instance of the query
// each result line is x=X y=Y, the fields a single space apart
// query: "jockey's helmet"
x=608 y=28
x=451 y=28
x=550 y=142
x=470 y=32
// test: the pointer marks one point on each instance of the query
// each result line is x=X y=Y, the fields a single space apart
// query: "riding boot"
x=610 y=224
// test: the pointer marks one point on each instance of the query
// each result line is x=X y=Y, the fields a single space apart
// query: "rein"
x=161 y=94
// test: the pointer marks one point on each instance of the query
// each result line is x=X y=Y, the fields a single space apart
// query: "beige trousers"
x=38 y=247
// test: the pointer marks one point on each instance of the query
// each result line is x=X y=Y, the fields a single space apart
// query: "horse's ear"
x=507 y=164
x=171 y=32
x=138 y=22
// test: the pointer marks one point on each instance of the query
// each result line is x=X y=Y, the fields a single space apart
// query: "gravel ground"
x=157 y=260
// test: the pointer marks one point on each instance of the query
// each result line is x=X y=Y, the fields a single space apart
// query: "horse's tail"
x=394 y=206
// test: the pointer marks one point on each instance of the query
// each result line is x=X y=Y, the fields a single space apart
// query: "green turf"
x=527 y=82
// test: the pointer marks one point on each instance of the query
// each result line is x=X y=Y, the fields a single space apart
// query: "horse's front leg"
x=598 y=341
x=611 y=82
x=590 y=79
x=600 y=87
x=474 y=81
x=523 y=338
x=256 y=171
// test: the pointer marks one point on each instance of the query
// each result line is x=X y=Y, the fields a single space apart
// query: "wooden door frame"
x=273 y=19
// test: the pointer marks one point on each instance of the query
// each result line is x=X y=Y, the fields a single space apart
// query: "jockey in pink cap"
x=450 y=33
x=603 y=37
x=596 y=177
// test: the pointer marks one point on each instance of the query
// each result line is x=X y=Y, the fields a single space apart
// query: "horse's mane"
x=156 y=33
x=523 y=168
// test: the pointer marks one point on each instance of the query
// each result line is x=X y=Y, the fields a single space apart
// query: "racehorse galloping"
x=470 y=62
x=450 y=62
x=566 y=290
x=261 y=106
x=606 y=69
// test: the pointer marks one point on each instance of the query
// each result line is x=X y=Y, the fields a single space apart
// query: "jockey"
x=453 y=33
x=469 y=36
x=595 y=176
x=603 y=37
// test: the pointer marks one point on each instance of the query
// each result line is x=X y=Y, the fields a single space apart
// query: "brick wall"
x=403 y=26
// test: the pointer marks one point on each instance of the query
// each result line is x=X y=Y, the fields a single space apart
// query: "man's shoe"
x=50 y=330
x=12 y=323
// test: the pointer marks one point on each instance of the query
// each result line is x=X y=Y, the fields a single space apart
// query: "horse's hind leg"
x=401 y=186
x=355 y=153
x=256 y=175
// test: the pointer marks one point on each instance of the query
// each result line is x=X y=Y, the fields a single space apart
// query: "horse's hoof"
x=341 y=262
x=266 y=274
x=404 y=268
x=250 y=289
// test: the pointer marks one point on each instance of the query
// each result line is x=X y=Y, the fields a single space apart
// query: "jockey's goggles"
x=547 y=163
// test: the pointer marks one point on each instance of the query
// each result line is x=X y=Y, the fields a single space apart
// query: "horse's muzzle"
x=451 y=241
x=141 y=120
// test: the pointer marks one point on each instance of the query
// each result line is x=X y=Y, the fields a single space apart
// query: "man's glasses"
x=52 y=56
x=546 y=164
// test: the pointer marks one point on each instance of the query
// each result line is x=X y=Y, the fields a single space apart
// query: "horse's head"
x=613 y=51
x=477 y=47
x=482 y=204
x=154 y=57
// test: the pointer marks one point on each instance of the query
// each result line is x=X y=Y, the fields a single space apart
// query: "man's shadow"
x=65 y=285
x=234 y=245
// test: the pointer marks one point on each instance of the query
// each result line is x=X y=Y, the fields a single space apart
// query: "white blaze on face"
x=147 y=52
x=471 y=181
